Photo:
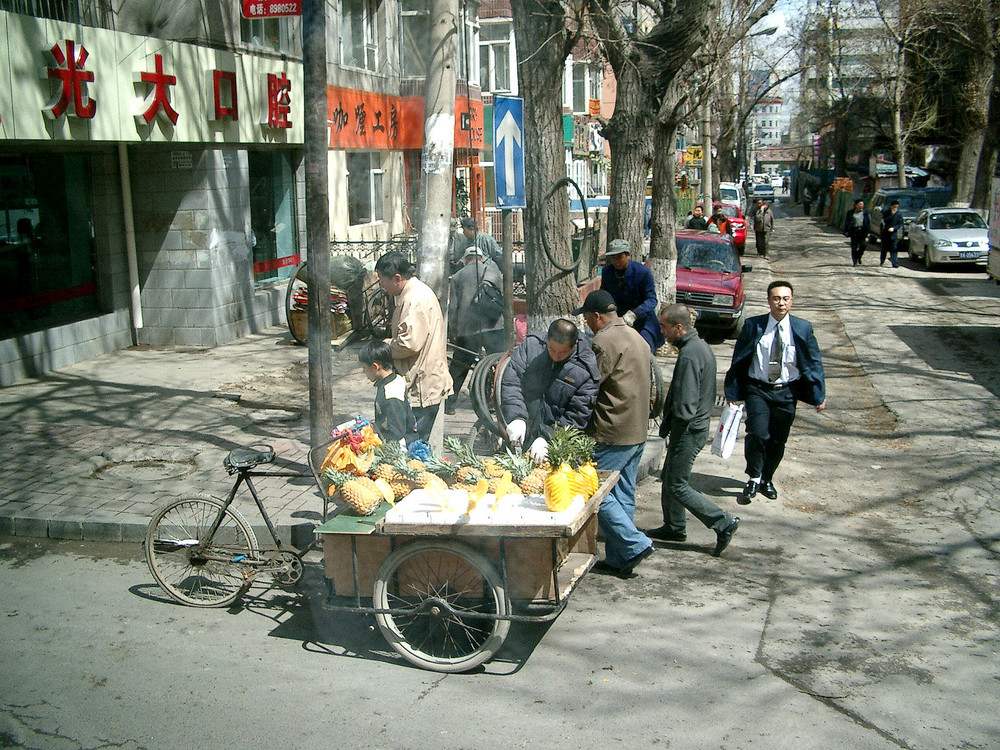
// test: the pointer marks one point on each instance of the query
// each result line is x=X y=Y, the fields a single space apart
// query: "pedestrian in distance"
x=857 y=226
x=776 y=363
x=634 y=291
x=472 y=327
x=697 y=218
x=892 y=230
x=763 y=225
x=394 y=421
x=619 y=423
x=485 y=242
x=686 y=424
x=549 y=383
x=419 y=342
x=720 y=221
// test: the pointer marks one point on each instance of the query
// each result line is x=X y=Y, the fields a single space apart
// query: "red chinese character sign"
x=224 y=96
x=271 y=8
x=279 y=101
x=71 y=94
x=157 y=101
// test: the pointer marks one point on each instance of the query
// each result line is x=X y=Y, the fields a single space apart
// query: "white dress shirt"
x=789 y=371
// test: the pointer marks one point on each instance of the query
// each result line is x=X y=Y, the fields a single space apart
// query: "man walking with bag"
x=686 y=424
x=776 y=362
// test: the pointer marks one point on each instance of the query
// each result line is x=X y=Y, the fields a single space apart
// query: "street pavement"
x=91 y=451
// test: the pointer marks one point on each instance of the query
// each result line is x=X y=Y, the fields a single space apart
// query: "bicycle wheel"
x=378 y=314
x=191 y=573
x=295 y=293
x=440 y=591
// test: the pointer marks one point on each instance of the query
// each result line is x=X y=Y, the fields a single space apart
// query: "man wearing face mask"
x=548 y=383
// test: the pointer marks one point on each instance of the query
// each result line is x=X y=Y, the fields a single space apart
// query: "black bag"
x=488 y=302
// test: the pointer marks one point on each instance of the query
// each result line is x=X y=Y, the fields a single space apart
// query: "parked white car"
x=732 y=194
x=948 y=235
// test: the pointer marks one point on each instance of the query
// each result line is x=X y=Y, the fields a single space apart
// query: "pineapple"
x=534 y=483
x=362 y=494
x=558 y=490
x=492 y=469
x=415 y=464
x=520 y=467
x=468 y=475
x=446 y=470
x=337 y=479
x=465 y=457
x=589 y=472
x=426 y=479
x=571 y=447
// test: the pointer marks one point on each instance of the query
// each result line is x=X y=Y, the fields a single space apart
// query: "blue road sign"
x=508 y=150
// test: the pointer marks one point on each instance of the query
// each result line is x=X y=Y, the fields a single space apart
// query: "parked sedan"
x=949 y=235
x=710 y=280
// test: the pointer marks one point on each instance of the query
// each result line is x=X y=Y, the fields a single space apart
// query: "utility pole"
x=436 y=163
x=706 y=155
x=439 y=149
x=317 y=220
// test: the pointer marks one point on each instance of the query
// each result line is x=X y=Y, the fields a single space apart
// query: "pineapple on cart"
x=447 y=551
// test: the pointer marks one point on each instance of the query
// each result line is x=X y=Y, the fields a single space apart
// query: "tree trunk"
x=988 y=155
x=540 y=35
x=968 y=161
x=630 y=135
x=662 y=248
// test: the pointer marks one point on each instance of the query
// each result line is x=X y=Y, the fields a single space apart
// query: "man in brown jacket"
x=619 y=425
x=419 y=344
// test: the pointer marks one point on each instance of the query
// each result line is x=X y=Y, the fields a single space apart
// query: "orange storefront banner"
x=366 y=120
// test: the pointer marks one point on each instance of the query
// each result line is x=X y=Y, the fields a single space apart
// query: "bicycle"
x=203 y=552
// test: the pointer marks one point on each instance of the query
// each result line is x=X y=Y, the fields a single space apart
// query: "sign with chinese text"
x=692 y=156
x=593 y=107
x=271 y=8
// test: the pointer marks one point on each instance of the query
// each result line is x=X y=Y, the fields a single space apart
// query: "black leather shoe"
x=748 y=494
x=635 y=560
x=663 y=534
x=726 y=536
x=768 y=491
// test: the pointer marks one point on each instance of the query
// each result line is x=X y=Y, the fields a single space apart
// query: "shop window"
x=361 y=34
x=47 y=264
x=278 y=34
x=272 y=215
x=364 y=188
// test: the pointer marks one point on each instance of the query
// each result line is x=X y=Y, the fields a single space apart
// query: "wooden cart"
x=444 y=594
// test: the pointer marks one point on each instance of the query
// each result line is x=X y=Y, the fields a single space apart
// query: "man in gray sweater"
x=686 y=424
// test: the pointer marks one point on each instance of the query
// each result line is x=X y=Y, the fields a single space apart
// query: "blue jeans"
x=616 y=516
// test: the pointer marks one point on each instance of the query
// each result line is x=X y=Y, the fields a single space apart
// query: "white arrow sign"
x=509 y=131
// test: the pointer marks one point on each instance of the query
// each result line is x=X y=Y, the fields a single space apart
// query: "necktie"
x=774 y=360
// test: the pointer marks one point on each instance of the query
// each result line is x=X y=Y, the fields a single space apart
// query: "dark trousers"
x=425 y=416
x=770 y=414
x=762 y=242
x=859 y=242
x=463 y=359
x=890 y=248
x=676 y=492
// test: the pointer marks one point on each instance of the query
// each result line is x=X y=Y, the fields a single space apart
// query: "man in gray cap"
x=631 y=284
x=619 y=426
x=486 y=244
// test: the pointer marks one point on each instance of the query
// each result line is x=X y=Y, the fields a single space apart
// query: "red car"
x=710 y=280
x=738 y=221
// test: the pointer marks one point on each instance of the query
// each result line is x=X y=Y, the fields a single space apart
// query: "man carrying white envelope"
x=686 y=424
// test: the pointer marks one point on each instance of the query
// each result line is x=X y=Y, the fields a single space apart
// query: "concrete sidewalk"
x=91 y=451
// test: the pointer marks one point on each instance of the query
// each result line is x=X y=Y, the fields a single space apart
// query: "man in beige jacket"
x=619 y=425
x=419 y=343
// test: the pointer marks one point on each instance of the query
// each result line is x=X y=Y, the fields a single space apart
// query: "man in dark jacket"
x=549 y=383
x=857 y=225
x=697 y=218
x=634 y=291
x=686 y=424
x=469 y=328
x=776 y=363
x=892 y=230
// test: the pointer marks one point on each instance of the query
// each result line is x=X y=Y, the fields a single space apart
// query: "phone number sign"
x=271 y=8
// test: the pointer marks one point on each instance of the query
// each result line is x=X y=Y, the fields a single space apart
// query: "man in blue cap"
x=632 y=287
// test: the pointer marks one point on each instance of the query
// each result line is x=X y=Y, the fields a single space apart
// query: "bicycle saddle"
x=247 y=458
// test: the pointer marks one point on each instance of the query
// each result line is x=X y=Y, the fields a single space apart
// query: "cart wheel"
x=446 y=599
x=293 y=315
x=378 y=314
x=209 y=576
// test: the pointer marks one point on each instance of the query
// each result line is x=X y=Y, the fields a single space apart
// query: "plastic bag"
x=346 y=271
x=729 y=425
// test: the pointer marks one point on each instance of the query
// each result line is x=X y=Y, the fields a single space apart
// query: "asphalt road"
x=858 y=610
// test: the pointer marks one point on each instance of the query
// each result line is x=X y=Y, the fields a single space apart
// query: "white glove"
x=516 y=431
x=539 y=450
x=629 y=318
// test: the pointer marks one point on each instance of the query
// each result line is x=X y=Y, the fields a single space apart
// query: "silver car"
x=948 y=235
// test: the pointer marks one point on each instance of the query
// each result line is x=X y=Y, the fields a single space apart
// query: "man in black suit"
x=776 y=363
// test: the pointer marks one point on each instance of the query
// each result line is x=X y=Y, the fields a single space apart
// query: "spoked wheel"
x=446 y=597
x=485 y=390
x=378 y=313
x=199 y=575
x=295 y=296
